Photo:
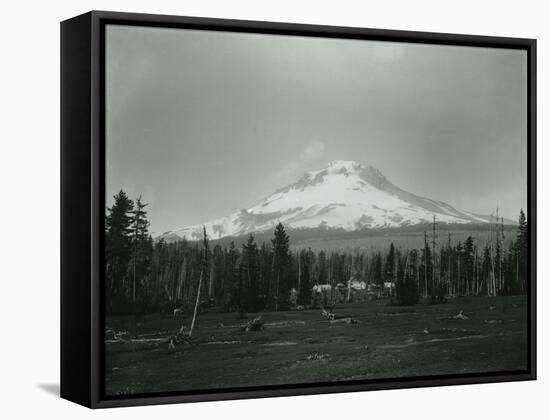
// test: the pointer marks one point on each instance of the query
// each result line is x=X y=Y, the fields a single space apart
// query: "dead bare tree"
x=433 y=259
x=425 y=264
x=449 y=269
x=350 y=276
x=203 y=266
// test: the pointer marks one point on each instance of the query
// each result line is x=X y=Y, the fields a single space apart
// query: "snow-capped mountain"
x=345 y=195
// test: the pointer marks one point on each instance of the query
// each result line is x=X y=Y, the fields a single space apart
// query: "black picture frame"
x=83 y=204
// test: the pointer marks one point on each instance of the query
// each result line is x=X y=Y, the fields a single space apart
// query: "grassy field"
x=302 y=347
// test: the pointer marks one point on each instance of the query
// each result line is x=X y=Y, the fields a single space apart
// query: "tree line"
x=147 y=276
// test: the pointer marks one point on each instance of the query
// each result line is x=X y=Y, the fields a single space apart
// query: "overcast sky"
x=204 y=123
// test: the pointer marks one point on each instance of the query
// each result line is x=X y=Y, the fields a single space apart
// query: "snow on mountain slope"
x=345 y=195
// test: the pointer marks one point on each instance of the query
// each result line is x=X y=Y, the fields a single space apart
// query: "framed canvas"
x=255 y=209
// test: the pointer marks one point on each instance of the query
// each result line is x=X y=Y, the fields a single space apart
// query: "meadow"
x=370 y=340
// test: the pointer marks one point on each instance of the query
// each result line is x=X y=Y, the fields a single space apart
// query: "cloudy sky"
x=205 y=123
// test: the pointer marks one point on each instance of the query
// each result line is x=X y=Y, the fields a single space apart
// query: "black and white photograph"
x=284 y=209
x=290 y=209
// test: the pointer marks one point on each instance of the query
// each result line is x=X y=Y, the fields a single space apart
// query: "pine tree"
x=427 y=266
x=281 y=268
x=306 y=276
x=376 y=269
x=250 y=272
x=322 y=263
x=142 y=247
x=118 y=251
x=406 y=287
x=486 y=269
x=266 y=281
x=389 y=268
x=468 y=264
x=231 y=297
x=217 y=274
x=521 y=251
x=498 y=267
x=459 y=250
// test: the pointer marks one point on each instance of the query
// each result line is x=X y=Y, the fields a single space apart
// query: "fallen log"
x=460 y=315
x=255 y=324
x=329 y=315
x=347 y=320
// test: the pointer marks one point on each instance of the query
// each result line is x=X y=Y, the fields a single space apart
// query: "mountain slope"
x=345 y=195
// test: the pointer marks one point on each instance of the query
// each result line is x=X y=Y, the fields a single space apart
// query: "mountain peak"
x=334 y=169
x=344 y=195
x=345 y=164
x=366 y=173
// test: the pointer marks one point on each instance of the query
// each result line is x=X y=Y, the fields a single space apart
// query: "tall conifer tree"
x=250 y=273
x=118 y=250
x=281 y=267
x=142 y=248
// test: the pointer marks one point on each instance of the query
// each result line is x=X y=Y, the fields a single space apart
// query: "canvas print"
x=298 y=210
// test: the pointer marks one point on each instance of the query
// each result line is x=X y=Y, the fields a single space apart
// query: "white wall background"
x=29 y=210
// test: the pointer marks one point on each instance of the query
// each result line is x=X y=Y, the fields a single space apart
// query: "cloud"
x=313 y=151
